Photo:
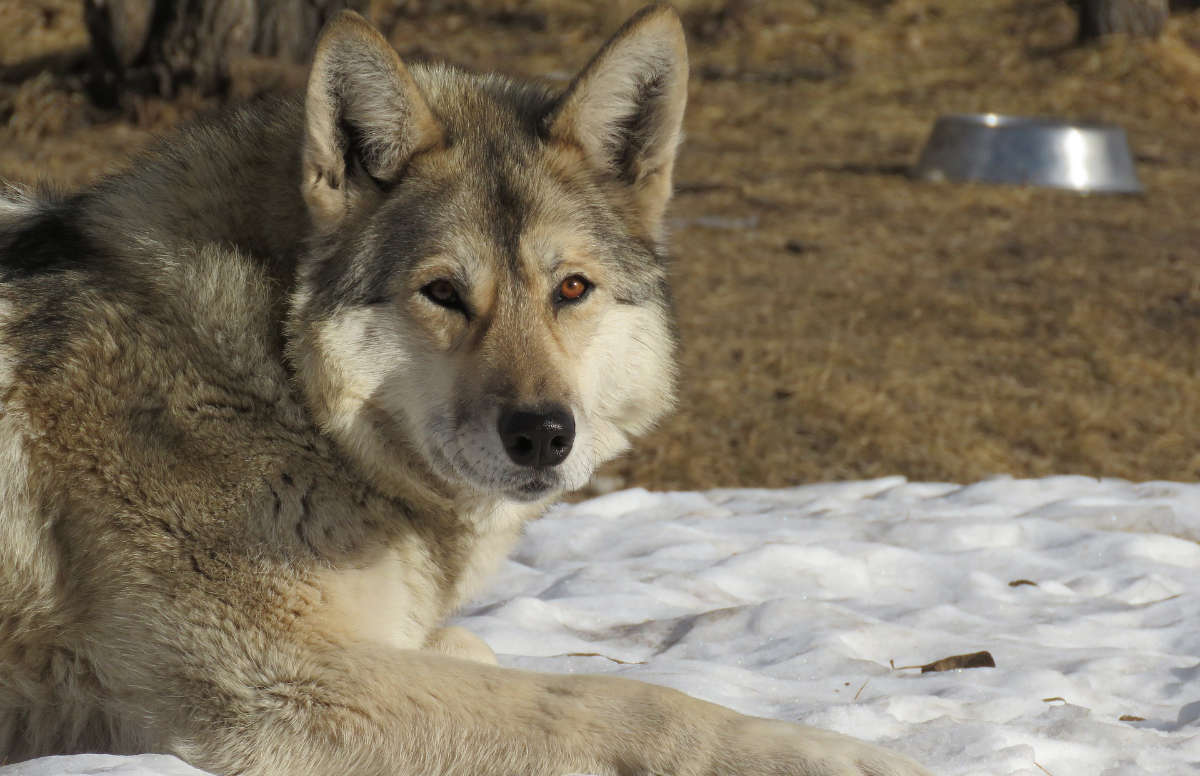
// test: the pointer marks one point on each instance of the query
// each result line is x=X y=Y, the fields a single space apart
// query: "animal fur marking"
x=275 y=401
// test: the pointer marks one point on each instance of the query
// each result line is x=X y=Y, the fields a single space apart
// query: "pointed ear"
x=364 y=116
x=625 y=110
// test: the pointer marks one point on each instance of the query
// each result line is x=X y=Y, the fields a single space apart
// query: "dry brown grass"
x=839 y=320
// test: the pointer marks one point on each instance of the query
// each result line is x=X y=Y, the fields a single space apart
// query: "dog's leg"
x=371 y=711
x=461 y=643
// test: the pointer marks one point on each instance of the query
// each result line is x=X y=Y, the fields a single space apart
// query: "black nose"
x=537 y=439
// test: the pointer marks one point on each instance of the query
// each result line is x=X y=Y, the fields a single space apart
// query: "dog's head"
x=485 y=286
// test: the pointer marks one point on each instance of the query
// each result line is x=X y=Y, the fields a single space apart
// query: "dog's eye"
x=573 y=288
x=443 y=293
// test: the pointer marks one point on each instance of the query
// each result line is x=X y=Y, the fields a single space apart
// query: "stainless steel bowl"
x=990 y=148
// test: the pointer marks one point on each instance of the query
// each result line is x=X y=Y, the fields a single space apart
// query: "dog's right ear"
x=365 y=119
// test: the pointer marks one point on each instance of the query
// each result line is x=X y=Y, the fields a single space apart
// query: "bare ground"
x=839 y=319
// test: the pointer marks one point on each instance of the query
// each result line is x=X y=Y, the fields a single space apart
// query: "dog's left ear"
x=364 y=116
x=625 y=109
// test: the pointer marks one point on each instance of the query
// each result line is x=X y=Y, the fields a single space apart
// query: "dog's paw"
x=770 y=747
x=454 y=641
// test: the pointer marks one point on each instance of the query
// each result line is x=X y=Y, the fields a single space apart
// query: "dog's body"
x=275 y=402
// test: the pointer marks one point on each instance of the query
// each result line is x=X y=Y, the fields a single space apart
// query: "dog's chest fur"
x=394 y=597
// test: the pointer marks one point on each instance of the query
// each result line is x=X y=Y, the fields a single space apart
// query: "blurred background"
x=839 y=320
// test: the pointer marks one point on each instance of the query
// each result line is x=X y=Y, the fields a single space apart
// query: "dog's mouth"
x=526 y=488
x=525 y=485
x=534 y=488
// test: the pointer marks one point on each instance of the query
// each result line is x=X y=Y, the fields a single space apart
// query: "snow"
x=104 y=765
x=797 y=604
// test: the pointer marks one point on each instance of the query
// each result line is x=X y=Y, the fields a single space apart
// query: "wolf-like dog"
x=274 y=402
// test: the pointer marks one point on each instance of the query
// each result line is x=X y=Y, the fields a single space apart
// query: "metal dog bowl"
x=990 y=148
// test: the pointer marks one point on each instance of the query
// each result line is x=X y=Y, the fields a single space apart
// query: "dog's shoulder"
x=130 y=351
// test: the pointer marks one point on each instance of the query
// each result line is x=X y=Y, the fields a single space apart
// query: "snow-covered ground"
x=812 y=604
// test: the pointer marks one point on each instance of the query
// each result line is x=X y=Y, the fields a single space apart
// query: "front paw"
x=460 y=643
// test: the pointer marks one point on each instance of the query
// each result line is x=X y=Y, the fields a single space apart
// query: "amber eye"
x=442 y=292
x=573 y=288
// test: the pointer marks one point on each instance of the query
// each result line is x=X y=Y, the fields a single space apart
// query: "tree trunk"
x=1132 y=17
x=157 y=46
